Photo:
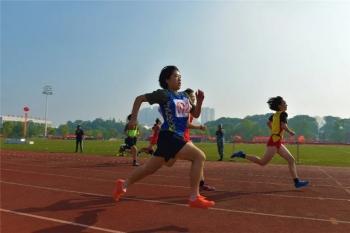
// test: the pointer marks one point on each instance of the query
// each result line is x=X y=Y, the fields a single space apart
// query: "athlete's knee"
x=291 y=160
x=170 y=163
x=201 y=156
x=263 y=162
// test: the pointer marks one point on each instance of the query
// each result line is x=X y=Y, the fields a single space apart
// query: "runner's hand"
x=200 y=96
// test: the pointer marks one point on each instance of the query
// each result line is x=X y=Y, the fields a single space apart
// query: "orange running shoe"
x=201 y=202
x=118 y=189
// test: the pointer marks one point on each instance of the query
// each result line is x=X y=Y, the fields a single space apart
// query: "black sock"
x=296 y=180
x=201 y=183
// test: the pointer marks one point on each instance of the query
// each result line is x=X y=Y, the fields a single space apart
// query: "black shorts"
x=169 y=144
x=130 y=142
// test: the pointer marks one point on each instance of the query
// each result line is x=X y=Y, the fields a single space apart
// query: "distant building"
x=207 y=114
x=12 y=118
x=147 y=116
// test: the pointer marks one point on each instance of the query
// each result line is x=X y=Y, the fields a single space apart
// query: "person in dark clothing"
x=79 y=136
x=220 y=141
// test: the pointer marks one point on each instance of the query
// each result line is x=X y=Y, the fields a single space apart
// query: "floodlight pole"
x=47 y=90
x=25 y=125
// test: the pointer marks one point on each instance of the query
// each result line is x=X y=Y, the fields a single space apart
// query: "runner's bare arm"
x=135 y=110
x=269 y=124
x=287 y=129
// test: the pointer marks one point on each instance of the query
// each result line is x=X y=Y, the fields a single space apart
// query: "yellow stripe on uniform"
x=276 y=129
x=132 y=132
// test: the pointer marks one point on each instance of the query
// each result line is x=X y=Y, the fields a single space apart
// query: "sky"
x=98 y=56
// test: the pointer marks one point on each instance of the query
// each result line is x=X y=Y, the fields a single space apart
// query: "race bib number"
x=182 y=107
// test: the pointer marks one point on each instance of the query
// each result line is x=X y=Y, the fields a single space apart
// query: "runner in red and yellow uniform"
x=278 y=125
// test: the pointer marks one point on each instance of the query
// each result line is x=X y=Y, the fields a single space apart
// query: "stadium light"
x=47 y=90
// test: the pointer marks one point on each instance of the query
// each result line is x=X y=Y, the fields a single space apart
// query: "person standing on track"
x=79 y=137
x=175 y=109
x=220 y=141
x=278 y=124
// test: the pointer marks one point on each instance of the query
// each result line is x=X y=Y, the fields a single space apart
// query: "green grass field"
x=330 y=155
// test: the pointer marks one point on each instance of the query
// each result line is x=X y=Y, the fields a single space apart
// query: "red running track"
x=51 y=192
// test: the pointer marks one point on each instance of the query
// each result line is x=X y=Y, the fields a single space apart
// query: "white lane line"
x=183 y=205
x=170 y=186
x=59 y=221
x=92 y=169
x=125 y=163
x=167 y=176
x=334 y=179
